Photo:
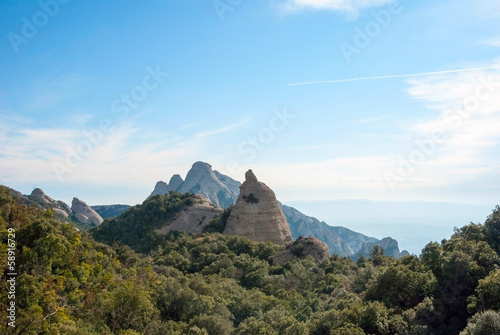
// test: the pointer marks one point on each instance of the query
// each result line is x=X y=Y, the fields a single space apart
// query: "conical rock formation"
x=257 y=214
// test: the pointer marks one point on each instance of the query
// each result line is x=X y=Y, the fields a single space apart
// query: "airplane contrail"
x=393 y=76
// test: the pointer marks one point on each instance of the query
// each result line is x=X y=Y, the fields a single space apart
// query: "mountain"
x=224 y=191
x=201 y=179
x=390 y=246
x=257 y=214
x=79 y=211
x=412 y=223
x=340 y=240
x=110 y=211
x=84 y=213
x=138 y=226
x=38 y=197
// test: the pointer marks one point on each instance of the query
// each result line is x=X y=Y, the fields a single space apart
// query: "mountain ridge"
x=340 y=240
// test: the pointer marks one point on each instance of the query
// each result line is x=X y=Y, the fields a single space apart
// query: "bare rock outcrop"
x=220 y=189
x=163 y=188
x=257 y=214
x=84 y=213
x=160 y=188
x=192 y=219
x=202 y=179
x=390 y=246
x=58 y=207
x=301 y=248
x=175 y=182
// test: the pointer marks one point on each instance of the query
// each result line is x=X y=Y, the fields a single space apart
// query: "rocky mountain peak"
x=84 y=213
x=175 y=182
x=203 y=180
x=160 y=188
x=39 y=194
x=257 y=214
x=201 y=166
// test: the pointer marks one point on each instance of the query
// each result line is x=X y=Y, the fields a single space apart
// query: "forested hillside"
x=69 y=283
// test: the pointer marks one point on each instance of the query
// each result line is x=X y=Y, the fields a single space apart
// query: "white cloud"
x=348 y=6
x=465 y=160
x=468 y=106
x=494 y=42
x=28 y=155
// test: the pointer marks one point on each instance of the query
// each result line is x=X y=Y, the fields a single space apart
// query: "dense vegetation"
x=69 y=283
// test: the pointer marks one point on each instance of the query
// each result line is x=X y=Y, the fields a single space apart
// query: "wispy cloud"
x=51 y=92
x=465 y=159
x=494 y=42
x=468 y=106
x=28 y=154
x=348 y=6
x=392 y=76
x=221 y=130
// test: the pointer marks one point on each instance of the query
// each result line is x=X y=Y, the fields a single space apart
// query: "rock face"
x=202 y=179
x=257 y=214
x=175 y=182
x=40 y=195
x=193 y=218
x=84 y=213
x=160 y=188
x=163 y=188
x=390 y=246
x=301 y=248
x=220 y=189
x=42 y=199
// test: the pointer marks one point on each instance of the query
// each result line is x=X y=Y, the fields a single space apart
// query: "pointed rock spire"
x=257 y=214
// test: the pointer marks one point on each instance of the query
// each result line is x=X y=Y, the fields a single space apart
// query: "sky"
x=383 y=100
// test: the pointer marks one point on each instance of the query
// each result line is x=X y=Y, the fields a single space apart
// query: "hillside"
x=213 y=284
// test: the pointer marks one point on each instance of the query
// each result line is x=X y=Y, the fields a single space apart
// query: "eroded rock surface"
x=257 y=214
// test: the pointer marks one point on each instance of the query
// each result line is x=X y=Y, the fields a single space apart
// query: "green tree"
x=488 y=293
x=492 y=229
x=398 y=286
x=485 y=323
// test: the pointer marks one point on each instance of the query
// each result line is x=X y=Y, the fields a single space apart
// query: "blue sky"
x=72 y=68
